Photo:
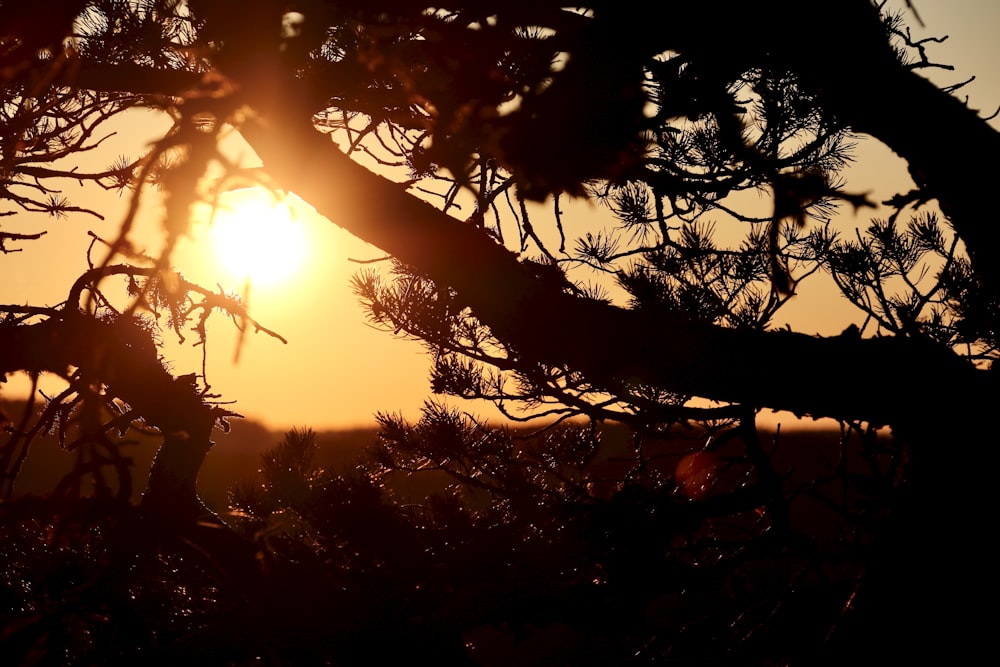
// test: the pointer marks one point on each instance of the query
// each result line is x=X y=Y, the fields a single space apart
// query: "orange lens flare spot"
x=696 y=473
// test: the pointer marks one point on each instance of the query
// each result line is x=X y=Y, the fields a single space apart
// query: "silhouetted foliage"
x=574 y=546
x=692 y=538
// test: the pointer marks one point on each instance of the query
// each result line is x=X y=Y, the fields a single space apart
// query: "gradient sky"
x=338 y=371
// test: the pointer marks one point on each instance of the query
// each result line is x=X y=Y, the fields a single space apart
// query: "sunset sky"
x=338 y=371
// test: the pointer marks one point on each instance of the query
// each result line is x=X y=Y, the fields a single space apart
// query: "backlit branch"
x=609 y=345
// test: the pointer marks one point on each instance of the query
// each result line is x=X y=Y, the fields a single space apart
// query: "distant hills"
x=235 y=457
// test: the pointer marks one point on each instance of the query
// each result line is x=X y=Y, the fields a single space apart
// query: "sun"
x=257 y=238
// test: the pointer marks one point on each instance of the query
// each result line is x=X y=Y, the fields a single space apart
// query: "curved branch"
x=612 y=346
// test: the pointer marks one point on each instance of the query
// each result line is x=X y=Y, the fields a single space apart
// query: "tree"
x=666 y=123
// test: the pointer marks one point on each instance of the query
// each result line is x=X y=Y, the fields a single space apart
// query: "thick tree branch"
x=846 y=377
x=931 y=130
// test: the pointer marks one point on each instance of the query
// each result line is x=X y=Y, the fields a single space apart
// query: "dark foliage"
x=459 y=543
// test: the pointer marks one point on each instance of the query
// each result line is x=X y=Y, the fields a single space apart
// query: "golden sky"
x=338 y=371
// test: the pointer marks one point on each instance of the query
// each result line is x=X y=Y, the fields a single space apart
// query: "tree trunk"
x=171 y=489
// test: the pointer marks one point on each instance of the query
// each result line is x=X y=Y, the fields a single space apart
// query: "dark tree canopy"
x=461 y=138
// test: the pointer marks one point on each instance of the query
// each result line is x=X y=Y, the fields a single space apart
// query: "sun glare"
x=257 y=238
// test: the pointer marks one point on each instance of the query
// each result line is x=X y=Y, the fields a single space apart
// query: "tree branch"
x=613 y=346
